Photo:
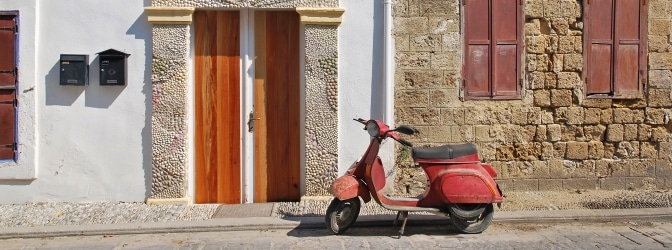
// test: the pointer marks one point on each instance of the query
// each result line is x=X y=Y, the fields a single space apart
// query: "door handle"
x=250 y=122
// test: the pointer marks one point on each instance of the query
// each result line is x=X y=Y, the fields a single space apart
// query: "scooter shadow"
x=381 y=225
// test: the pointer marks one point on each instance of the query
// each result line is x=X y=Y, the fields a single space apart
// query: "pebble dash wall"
x=171 y=46
x=553 y=138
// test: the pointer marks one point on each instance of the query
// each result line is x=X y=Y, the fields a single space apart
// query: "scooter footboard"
x=347 y=187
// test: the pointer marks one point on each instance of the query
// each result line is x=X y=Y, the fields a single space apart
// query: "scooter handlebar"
x=405 y=142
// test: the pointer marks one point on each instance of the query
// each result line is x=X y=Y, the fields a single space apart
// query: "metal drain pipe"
x=388 y=60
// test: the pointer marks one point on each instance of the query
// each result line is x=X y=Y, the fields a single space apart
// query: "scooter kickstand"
x=403 y=225
x=396 y=219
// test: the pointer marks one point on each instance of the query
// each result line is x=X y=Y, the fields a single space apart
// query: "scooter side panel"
x=347 y=187
x=468 y=186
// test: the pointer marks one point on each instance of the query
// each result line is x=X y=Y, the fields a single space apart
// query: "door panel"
x=217 y=107
x=277 y=159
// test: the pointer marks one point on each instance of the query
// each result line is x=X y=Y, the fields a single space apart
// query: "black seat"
x=445 y=151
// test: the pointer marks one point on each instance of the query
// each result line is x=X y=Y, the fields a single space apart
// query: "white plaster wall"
x=361 y=51
x=93 y=142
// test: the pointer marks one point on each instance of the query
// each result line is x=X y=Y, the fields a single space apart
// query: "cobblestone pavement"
x=620 y=235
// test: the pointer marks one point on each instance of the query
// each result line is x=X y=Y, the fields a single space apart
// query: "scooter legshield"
x=347 y=187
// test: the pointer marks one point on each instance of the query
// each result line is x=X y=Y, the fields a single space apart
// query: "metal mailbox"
x=113 y=67
x=74 y=69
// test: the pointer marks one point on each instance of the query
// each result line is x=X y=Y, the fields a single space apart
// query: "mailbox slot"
x=74 y=69
x=113 y=67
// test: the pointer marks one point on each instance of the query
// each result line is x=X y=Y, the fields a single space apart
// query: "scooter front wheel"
x=474 y=225
x=342 y=214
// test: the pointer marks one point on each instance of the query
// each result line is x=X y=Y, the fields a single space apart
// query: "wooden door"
x=217 y=107
x=8 y=73
x=276 y=105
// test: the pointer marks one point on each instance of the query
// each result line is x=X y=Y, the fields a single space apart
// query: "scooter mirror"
x=405 y=130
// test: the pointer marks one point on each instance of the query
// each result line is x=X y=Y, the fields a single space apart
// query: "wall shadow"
x=141 y=29
x=98 y=96
x=378 y=66
x=16 y=182
x=56 y=94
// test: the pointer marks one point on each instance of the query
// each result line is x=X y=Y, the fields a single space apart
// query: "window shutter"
x=600 y=46
x=506 y=33
x=627 y=76
x=477 y=58
x=7 y=86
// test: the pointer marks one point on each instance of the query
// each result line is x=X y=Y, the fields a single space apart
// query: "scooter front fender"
x=347 y=187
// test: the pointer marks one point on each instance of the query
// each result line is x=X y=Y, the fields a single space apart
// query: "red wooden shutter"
x=506 y=33
x=600 y=46
x=627 y=50
x=477 y=54
x=7 y=86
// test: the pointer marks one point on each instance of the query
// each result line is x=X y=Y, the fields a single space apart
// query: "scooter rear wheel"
x=342 y=214
x=467 y=211
x=475 y=225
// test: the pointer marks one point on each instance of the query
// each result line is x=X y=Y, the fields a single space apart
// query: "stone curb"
x=269 y=223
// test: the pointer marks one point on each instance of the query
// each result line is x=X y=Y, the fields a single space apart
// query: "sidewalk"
x=73 y=219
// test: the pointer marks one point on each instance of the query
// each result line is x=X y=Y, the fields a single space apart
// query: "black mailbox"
x=113 y=67
x=74 y=69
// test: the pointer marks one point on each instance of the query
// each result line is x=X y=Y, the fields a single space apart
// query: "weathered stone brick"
x=423 y=79
x=519 y=116
x=546 y=117
x=447 y=60
x=537 y=80
x=557 y=169
x=570 y=115
x=540 y=136
x=458 y=116
x=568 y=80
x=663 y=168
x=583 y=169
x=482 y=133
x=627 y=149
x=573 y=62
x=550 y=184
x=547 y=151
x=413 y=60
x=665 y=151
x=607 y=116
x=446 y=116
x=630 y=132
x=451 y=42
x=639 y=183
x=660 y=61
x=534 y=116
x=412 y=98
x=619 y=168
x=648 y=150
x=615 y=133
x=560 y=26
x=659 y=134
x=655 y=116
x=461 y=134
x=577 y=150
x=425 y=43
x=658 y=44
x=534 y=9
x=443 y=25
x=532 y=27
x=542 y=98
x=487 y=151
x=552 y=9
x=570 y=9
x=644 y=132
x=572 y=133
x=609 y=149
x=660 y=97
x=659 y=27
x=629 y=103
x=554 y=132
x=419 y=116
x=595 y=150
x=505 y=153
x=526 y=185
x=560 y=148
x=596 y=103
x=527 y=151
x=578 y=43
x=624 y=115
x=583 y=183
x=442 y=97
x=566 y=44
x=536 y=44
x=537 y=62
x=660 y=78
x=612 y=183
x=592 y=116
x=410 y=25
x=551 y=80
x=557 y=62
x=432 y=134
x=552 y=47
x=561 y=97
x=444 y=8
x=644 y=167
x=594 y=133
x=402 y=43
x=659 y=9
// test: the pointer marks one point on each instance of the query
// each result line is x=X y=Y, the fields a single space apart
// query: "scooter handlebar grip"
x=405 y=142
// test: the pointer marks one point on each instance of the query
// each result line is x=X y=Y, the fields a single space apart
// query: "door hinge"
x=14 y=146
x=13 y=102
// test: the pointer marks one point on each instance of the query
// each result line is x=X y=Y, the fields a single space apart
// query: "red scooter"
x=459 y=185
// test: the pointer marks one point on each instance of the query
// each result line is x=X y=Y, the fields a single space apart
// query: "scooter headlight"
x=373 y=128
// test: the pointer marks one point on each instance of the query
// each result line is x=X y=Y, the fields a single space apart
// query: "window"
x=492 y=61
x=615 y=48
x=8 y=34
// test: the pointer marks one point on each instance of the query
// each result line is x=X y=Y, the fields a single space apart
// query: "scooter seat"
x=445 y=151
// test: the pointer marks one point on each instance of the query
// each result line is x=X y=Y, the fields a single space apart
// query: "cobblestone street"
x=577 y=235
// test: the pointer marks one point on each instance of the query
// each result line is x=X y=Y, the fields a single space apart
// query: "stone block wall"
x=553 y=138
